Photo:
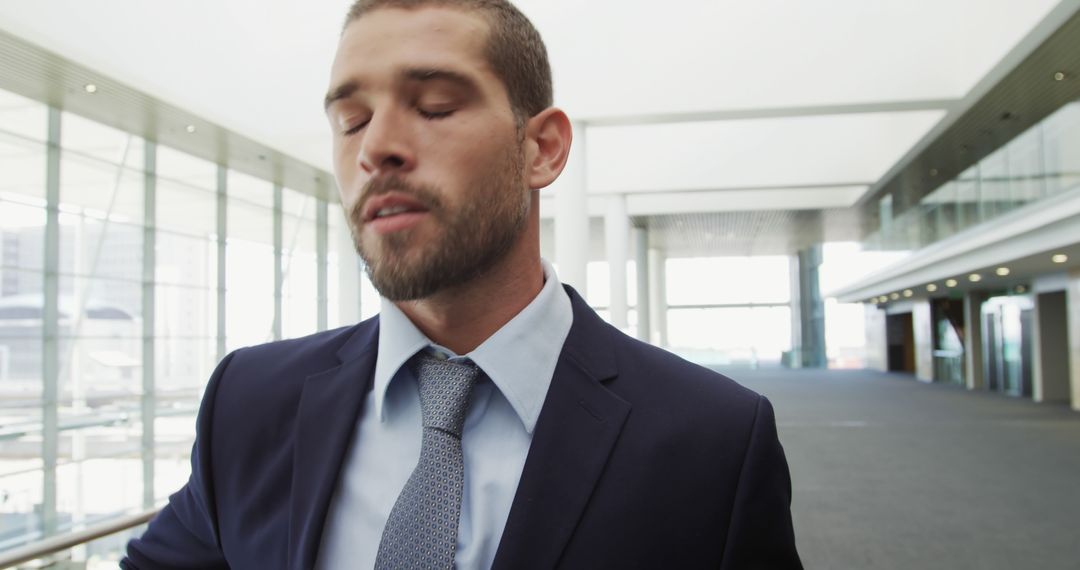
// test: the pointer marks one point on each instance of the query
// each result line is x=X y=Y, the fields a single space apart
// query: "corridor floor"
x=890 y=473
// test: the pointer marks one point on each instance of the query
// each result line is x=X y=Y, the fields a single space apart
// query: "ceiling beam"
x=772 y=113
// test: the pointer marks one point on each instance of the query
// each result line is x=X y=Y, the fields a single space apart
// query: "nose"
x=385 y=147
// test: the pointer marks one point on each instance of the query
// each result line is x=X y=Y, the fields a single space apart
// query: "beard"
x=474 y=237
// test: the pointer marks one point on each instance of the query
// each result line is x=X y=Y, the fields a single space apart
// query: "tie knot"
x=445 y=388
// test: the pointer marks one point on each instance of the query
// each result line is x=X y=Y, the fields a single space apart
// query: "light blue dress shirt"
x=517 y=361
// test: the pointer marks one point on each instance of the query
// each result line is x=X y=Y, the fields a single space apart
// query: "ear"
x=547 y=145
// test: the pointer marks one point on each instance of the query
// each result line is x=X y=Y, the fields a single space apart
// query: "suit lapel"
x=328 y=412
x=578 y=426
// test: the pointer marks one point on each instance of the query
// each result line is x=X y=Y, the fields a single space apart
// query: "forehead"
x=388 y=39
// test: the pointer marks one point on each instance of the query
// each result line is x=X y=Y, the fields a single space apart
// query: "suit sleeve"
x=761 y=534
x=185 y=533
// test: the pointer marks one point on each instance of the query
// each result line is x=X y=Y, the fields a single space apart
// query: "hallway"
x=890 y=473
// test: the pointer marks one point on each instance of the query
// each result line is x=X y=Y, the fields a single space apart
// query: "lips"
x=392 y=211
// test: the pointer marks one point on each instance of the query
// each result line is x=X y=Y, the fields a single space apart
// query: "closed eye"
x=355 y=128
x=432 y=115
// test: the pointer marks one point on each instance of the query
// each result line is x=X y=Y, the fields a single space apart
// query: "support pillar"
x=1072 y=297
x=974 y=378
x=658 y=297
x=279 y=267
x=222 y=231
x=922 y=323
x=877 y=341
x=641 y=263
x=572 y=216
x=50 y=332
x=617 y=245
x=1050 y=366
x=149 y=367
x=322 y=254
x=808 y=310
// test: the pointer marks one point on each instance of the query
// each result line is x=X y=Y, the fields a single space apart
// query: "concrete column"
x=641 y=261
x=572 y=216
x=922 y=323
x=279 y=267
x=877 y=341
x=1050 y=348
x=617 y=245
x=149 y=368
x=974 y=378
x=1072 y=299
x=807 y=310
x=322 y=254
x=658 y=297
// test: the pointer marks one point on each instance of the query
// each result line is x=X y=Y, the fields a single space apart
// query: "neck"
x=464 y=317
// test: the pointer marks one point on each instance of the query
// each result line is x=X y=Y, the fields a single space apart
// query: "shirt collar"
x=519 y=358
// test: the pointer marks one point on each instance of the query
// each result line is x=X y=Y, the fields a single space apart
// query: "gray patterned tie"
x=422 y=530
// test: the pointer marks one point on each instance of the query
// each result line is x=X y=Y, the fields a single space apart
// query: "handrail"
x=60 y=543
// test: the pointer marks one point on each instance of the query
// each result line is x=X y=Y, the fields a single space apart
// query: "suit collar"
x=577 y=430
x=519 y=358
x=328 y=411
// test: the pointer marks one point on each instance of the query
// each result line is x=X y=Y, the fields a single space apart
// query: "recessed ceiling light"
x=894 y=296
x=1021 y=289
x=974 y=277
x=931 y=287
x=908 y=293
x=190 y=128
x=1060 y=258
x=1059 y=76
x=951 y=283
x=90 y=88
x=1003 y=271
x=933 y=172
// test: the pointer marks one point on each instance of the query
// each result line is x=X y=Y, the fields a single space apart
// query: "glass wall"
x=23 y=160
x=1042 y=162
x=127 y=269
x=729 y=310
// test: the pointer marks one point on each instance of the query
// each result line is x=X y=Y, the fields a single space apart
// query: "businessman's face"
x=427 y=153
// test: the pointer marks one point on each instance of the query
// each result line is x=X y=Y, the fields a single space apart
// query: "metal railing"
x=55 y=544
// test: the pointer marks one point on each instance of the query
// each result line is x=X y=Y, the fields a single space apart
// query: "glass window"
x=23 y=164
x=22 y=240
x=186 y=260
x=23 y=117
x=1062 y=148
x=185 y=209
x=728 y=280
x=87 y=138
x=252 y=190
x=249 y=277
x=186 y=169
x=299 y=265
x=740 y=335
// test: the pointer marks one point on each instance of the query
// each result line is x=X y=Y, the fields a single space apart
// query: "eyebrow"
x=421 y=75
x=343 y=91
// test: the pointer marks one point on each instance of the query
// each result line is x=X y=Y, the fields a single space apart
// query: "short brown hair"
x=515 y=50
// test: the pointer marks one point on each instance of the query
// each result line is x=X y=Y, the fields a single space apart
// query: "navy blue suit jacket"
x=639 y=460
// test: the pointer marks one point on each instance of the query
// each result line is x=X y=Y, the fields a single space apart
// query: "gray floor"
x=889 y=473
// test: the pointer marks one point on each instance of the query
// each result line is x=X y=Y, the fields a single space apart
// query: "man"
x=487 y=417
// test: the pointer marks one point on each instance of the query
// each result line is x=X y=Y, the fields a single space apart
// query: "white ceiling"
x=259 y=67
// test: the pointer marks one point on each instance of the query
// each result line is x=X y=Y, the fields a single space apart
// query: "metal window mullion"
x=322 y=239
x=149 y=390
x=222 y=227
x=279 y=272
x=50 y=328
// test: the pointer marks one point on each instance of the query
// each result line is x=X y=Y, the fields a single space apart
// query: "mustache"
x=427 y=196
